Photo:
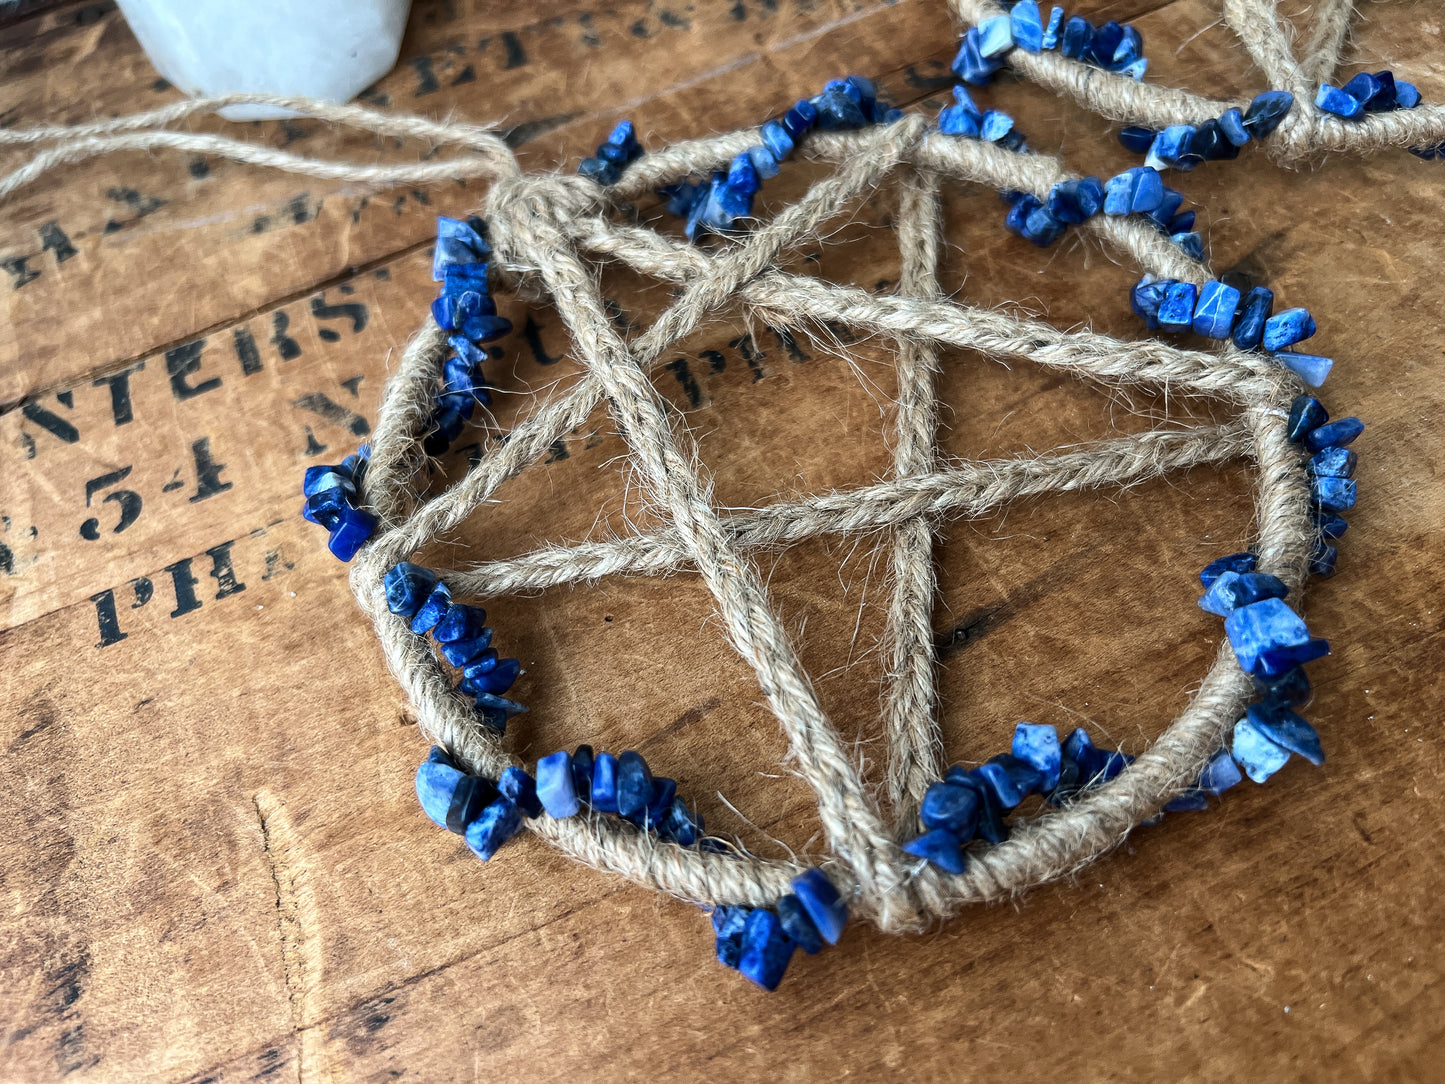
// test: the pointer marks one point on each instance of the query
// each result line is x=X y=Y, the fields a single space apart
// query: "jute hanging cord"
x=551 y=234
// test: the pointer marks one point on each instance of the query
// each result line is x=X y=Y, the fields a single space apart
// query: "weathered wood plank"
x=217 y=870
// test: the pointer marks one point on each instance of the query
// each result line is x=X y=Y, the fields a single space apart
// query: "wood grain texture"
x=214 y=869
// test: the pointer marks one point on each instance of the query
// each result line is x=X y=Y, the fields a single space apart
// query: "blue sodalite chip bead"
x=516 y=785
x=1214 y=311
x=729 y=923
x=634 y=786
x=766 y=949
x=1287 y=328
x=407 y=586
x=1256 y=754
x=798 y=926
x=940 y=847
x=352 y=530
x=1039 y=746
x=952 y=807
x=1287 y=730
x=603 y=796
x=1336 y=101
x=555 y=787
x=432 y=610
x=1269 y=638
x=1266 y=111
x=1337 y=433
x=449 y=797
x=1306 y=414
x=1234 y=562
x=496 y=824
x=820 y=900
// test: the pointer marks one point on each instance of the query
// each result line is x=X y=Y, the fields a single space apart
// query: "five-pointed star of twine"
x=1304 y=132
x=546 y=229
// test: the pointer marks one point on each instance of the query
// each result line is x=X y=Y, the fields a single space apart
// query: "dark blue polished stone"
x=437 y=755
x=582 y=762
x=951 y=806
x=1337 y=433
x=1332 y=526
x=1076 y=201
x=664 y=791
x=494 y=710
x=1011 y=778
x=1136 y=139
x=861 y=89
x=451 y=798
x=555 y=788
x=1219 y=774
x=1026 y=23
x=1170 y=146
x=1129 y=49
x=324 y=508
x=941 y=847
x=729 y=923
x=1148 y=192
x=1146 y=297
x=1306 y=414
x=962 y=118
x=352 y=530
x=1336 y=101
x=1076 y=38
x=1287 y=328
x=463 y=405
x=458 y=242
x=1266 y=111
x=798 y=926
x=1169 y=205
x=604 y=783
x=1042 y=228
x=1323 y=558
x=681 y=824
x=800 y=119
x=1119 y=192
x=1334 y=463
x=634 y=786
x=820 y=899
x=461 y=622
x=1208 y=143
x=838 y=112
x=1176 y=312
x=1037 y=744
x=1255 y=753
x=766 y=950
x=1287 y=730
x=496 y=824
x=742 y=177
x=1292 y=688
x=990 y=827
x=432 y=610
x=1372 y=91
x=1070 y=779
x=1234 y=562
x=1189 y=801
x=474 y=656
x=994 y=126
x=407 y=587
x=1231 y=123
x=1333 y=494
x=1266 y=632
x=764 y=162
x=516 y=785
x=1191 y=244
x=1107 y=38
x=1214 y=311
x=1180 y=223
x=1235 y=589
x=1406 y=96
x=971 y=65
x=318 y=479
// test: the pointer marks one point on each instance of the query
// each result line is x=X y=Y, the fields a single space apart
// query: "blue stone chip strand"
x=466 y=310
x=984 y=48
x=1378 y=92
x=415 y=594
x=613 y=156
x=718 y=204
x=568 y=783
x=760 y=942
x=1185 y=146
x=331 y=501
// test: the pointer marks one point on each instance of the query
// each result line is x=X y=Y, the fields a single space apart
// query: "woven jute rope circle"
x=551 y=233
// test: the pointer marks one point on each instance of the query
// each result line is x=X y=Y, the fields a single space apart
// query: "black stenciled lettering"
x=620 y=320
x=426 y=79
x=313 y=446
x=144 y=591
x=355 y=311
x=7 y=560
x=276 y=565
x=18 y=267
x=140 y=204
x=684 y=376
x=532 y=335
x=105 y=617
x=301 y=209
x=790 y=344
x=181 y=362
x=246 y=352
x=716 y=363
x=516 y=56
x=119 y=382
x=558 y=450
x=223 y=572
x=184 y=581
x=208 y=471
x=51 y=422
x=747 y=346
x=128 y=499
x=285 y=345
x=53 y=239
x=333 y=411
x=590 y=37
